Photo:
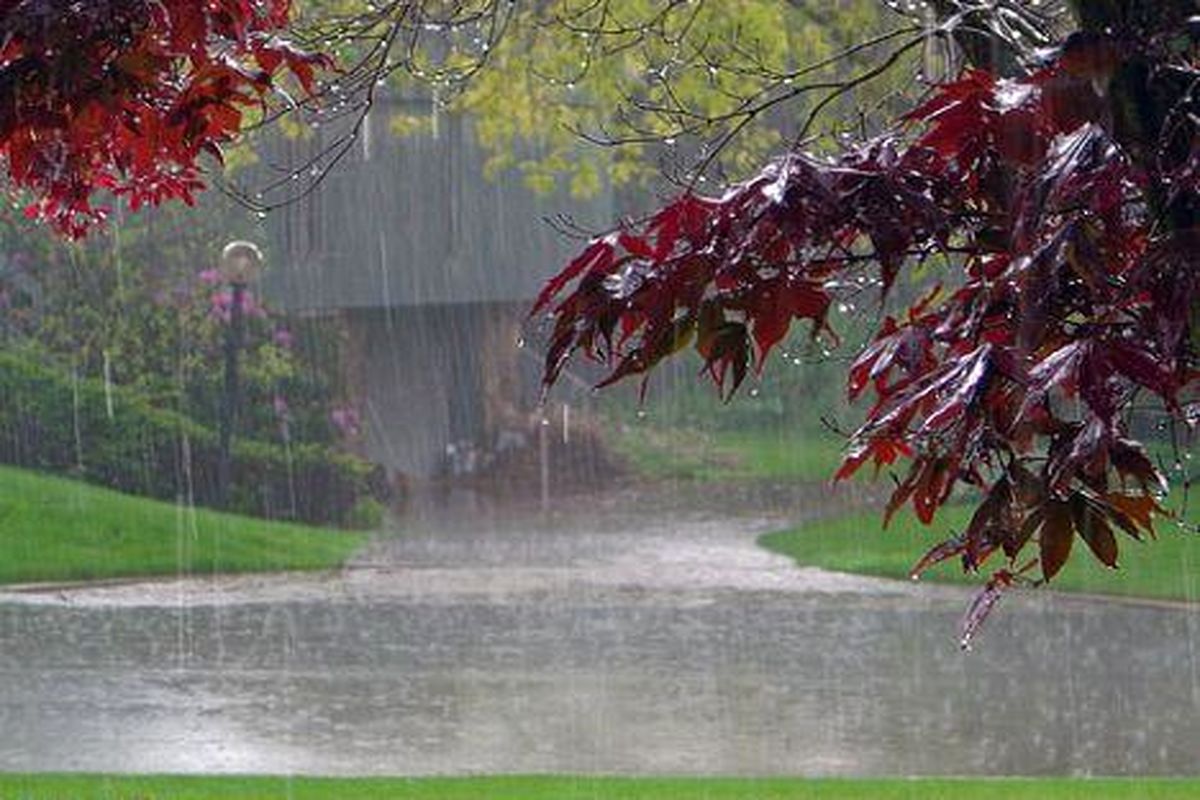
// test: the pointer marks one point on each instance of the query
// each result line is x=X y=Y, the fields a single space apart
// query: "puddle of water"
x=594 y=641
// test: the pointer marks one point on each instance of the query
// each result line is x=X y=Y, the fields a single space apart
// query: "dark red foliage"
x=123 y=96
x=1077 y=293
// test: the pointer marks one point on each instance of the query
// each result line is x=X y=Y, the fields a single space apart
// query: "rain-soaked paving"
x=618 y=634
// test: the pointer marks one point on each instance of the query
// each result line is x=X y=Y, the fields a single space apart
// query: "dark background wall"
x=429 y=268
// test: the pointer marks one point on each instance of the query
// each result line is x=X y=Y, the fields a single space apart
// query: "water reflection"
x=583 y=643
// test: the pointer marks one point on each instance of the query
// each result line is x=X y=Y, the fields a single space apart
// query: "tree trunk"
x=1140 y=99
x=1116 y=16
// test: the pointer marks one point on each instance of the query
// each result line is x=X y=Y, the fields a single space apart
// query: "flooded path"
x=619 y=634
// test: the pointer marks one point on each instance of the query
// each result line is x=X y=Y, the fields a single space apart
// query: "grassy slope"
x=1167 y=568
x=54 y=529
x=82 y=787
x=753 y=453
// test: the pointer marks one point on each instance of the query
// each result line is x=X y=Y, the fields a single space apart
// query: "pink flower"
x=210 y=276
x=220 y=305
x=346 y=420
x=251 y=307
x=282 y=338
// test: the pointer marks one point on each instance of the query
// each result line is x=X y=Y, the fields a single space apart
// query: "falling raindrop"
x=108 y=386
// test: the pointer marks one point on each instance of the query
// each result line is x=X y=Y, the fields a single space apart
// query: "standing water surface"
x=620 y=635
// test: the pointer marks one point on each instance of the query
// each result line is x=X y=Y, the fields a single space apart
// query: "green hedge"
x=53 y=422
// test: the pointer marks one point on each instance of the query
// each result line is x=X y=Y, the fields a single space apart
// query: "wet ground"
x=620 y=633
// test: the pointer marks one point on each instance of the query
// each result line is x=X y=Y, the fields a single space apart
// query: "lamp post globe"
x=241 y=262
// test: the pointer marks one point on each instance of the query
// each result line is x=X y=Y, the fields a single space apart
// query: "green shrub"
x=113 y=437
x=366 y=514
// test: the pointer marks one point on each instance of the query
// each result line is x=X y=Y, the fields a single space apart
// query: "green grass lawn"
x=1167 y=568
x=752 y=453
x=53 y=529
x=91 y=787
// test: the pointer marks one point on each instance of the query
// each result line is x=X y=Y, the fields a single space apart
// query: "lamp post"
x=241 y=264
